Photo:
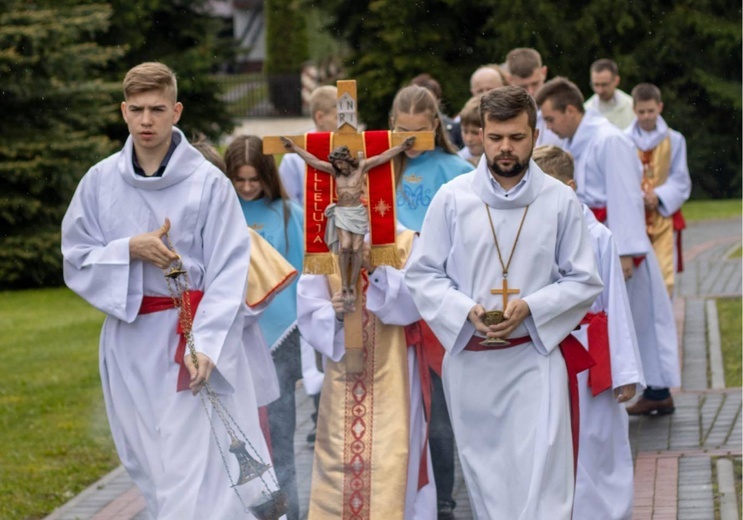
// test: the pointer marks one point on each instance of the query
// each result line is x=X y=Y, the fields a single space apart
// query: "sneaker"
x=644 y=406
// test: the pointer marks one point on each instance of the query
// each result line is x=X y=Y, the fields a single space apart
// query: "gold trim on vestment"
x=660 y=228
x=319 y=263
x=363 y=428
x=269 y=271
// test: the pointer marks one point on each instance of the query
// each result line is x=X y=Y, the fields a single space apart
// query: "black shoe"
x=446 y=509
x=312 y=436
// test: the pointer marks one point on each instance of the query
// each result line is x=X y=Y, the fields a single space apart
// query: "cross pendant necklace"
x=504 y=290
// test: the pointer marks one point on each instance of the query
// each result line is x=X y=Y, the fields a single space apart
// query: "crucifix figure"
x=348 y=220
x=320 y=192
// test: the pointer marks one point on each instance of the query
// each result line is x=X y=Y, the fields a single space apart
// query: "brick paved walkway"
x=674 y=455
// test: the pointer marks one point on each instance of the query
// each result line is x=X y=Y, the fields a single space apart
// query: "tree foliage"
x=690 y=48
x=287 y=48
x=181 y=34
x=53 y=110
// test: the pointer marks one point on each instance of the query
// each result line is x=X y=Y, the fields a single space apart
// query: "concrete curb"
x=726 y=490
x=715 y=348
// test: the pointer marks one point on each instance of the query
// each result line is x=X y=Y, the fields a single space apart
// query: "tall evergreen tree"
x=183 y=35
x=50 y=130
x=690 y=48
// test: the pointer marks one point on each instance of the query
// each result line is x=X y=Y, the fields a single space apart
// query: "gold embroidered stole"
x=363 y=427
x=656 y=165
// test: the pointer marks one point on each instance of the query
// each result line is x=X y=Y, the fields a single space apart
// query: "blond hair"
x=470 y=114
x=323 y=99
x=150 y=76
x=554 y=161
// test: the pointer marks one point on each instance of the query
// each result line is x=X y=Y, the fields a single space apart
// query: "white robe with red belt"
x=509 y=408
x=609 y=174
x=163 y=437
x=604 y=485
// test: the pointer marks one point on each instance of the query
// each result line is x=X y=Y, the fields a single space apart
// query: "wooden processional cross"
x=319 y=192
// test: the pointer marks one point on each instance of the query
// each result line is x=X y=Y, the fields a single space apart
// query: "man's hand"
x=516 y=312
x=288 y=143
x=201 y=375
x=475 y=317
x=340 y=306
x=651 y=200
x=628 y=266
x=408 y=143
x=149 y=247
x=366 y=258
x=624 y=393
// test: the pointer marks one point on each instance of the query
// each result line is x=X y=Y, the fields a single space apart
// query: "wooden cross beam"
x=347 y=133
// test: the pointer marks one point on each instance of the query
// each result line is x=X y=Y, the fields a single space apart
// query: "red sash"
x=601 y=215
x=415 y=338
x=599 y=377
x=577 y=359
x=679 y=224
x=152 y=304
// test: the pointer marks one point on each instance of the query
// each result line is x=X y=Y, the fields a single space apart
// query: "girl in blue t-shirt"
x=270 y=213
x=421 y=174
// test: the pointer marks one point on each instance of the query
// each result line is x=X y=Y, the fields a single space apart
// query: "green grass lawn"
x=729 y=316
x=696 y=210
x=54 y=435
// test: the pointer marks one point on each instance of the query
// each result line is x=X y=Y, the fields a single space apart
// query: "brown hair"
x=470 y=114
x=605 y=64
x=505 y=103
x=418 y=100
x=323 y=99
x=209 y=152
x=646 y=92
x=554 y=161
x=427 y=81
x=523 y=61
x=150 y=76
x=561 y=92
x=247 y=150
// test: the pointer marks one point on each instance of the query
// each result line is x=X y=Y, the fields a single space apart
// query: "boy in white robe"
x=320 y=315
x=114 y=260
x=666 y=182
x=509 y=405
x=609 y=174
x=604 y=483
